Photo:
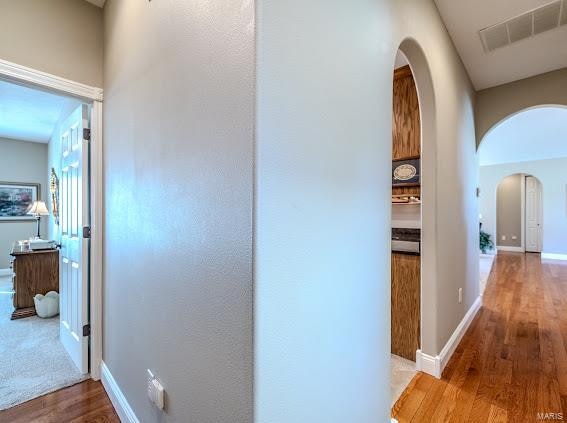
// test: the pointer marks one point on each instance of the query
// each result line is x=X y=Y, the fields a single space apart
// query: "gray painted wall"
x=322 y=271
x=179 y=161
x=551 y=174
x=21 y=161
x=509 y=211
x=61 y=37
x=178 y=168
x=497 y=103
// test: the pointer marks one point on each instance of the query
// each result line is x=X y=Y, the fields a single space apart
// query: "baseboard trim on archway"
x=435 y=365
x=428 y=364
x=553 y=256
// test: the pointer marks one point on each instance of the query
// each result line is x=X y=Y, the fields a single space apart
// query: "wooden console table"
x=35 y=272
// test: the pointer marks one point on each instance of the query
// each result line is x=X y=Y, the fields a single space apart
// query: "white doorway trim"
x=19 y=73
x=93 y=95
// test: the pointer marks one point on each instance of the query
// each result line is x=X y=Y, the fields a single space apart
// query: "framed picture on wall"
x=406 y=172
x=15 y=200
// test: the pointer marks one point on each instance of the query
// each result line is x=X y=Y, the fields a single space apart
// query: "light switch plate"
x=155 y=390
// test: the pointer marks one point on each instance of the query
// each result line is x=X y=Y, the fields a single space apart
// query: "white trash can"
x=47 y=305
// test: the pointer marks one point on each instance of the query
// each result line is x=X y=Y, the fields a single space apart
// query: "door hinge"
x=86 y=134
x=87 y=330
x=86 y=231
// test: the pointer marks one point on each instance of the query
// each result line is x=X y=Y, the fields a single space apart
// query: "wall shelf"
x=406 y=199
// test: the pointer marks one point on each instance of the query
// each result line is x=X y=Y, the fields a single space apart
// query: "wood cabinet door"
x=406 y=305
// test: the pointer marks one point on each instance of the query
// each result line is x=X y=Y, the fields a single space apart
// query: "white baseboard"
x=553 y=256
x=428 y=364
x=6 y=272
x=435 y=365
x=510 y=249
x=116 y=396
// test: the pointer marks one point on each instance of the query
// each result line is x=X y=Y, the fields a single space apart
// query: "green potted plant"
x=485 y=242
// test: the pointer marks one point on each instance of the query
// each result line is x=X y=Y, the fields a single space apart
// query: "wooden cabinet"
x=406 y=268
x=406 y=301
x=35 y=272
x=406 y=125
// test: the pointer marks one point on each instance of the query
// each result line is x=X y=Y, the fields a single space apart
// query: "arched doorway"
x=413 y=324
x=519 y=214
x=527 y=151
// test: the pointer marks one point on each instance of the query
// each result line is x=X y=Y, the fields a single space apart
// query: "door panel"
x=533 y=215
x=74 y=248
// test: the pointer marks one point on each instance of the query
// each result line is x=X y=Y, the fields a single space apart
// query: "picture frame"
x=15 y=200
x=406 y=172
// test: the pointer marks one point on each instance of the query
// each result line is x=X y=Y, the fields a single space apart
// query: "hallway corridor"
x=512 y=363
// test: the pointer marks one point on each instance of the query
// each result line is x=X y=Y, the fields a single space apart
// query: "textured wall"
x=61 y=37
x=324 y=135
x=178 y=168
x=179 y=121
x=21 y=161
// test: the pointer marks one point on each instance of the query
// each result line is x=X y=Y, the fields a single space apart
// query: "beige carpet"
x=32 y=360
x=402 y=372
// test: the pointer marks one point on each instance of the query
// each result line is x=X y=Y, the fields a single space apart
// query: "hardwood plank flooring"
x=85 y=402
x=512 y=362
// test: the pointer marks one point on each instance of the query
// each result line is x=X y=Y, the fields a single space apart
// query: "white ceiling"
x=535 y=134
x=542 y=53
x=99 y=3
x=28 y=114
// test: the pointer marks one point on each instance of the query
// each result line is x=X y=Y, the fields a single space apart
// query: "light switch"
x=156 y=393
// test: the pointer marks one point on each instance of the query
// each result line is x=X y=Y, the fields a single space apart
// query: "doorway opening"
x=44 y=251
x=406 y=227
x=519 y=211
x=523 y=198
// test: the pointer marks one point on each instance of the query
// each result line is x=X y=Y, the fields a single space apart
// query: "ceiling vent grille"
x=564 y=13
x=520 y=28
x=527 y=25
x=547 y=17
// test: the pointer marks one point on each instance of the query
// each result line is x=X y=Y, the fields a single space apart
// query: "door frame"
x=23 y=75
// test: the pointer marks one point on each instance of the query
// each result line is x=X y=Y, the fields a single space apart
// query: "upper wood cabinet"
x=406 y=131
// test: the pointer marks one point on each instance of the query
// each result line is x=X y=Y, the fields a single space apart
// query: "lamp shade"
x=38 y=208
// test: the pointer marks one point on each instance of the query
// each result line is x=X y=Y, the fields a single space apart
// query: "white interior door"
x=534 y=232
x=74 y=264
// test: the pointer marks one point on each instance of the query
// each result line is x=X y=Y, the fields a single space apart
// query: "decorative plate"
x=405 y=172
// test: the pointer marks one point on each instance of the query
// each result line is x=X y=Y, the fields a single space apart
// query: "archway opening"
x=520 y=158
x=413 y=214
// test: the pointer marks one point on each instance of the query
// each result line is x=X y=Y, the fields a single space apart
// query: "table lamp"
x=37 y=210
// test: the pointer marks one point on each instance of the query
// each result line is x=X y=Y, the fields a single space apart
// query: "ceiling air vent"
x=495 y=37
x=527 y=25
x=520 y=28
x=547 y=17
x=563 y=13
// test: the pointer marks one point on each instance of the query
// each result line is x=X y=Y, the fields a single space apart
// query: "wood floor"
x=84 y=402
x=512 y=362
